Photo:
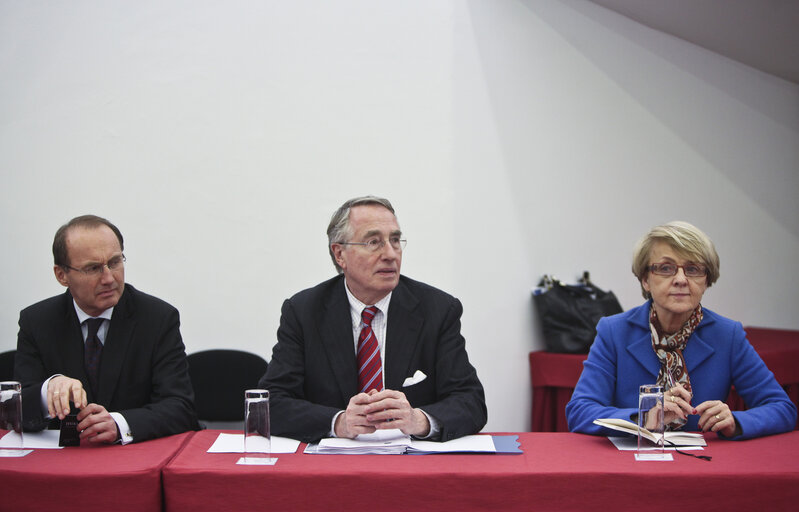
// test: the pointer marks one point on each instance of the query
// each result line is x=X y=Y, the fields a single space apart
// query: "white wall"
x=515 y=138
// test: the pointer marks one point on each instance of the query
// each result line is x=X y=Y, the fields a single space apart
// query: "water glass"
x=650 y=417
x=257 y=438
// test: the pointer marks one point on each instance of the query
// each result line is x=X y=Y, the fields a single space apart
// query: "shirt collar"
x=356 y=306
x=83 y=316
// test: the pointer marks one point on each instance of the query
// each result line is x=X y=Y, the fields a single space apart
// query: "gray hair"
x=339 y=229
x=686 y=239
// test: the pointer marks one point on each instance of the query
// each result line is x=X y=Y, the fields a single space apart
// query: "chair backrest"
x=7 y=365
x=219 y=378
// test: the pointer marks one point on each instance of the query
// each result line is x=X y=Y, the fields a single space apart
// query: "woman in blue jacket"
x=694 y=353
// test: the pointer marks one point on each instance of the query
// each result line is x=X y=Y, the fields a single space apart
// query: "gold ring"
x=718 y=418
x=56 y=393
x=673 y=399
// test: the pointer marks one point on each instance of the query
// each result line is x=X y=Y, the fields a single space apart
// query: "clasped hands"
x=380 y=410
x=714 y=415
x=95 y=423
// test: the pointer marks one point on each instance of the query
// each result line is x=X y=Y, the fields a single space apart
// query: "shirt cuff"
x=125 y=435
x=435 y=428
x=333 y=424
x=45 y=411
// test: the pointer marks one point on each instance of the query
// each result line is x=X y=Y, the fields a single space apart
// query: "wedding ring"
x=718 y=418
x=56 y=393
x=673 y=399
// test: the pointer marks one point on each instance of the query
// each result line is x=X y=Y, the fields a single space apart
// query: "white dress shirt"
x=379 y=323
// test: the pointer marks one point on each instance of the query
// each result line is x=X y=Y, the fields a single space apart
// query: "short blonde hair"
x=686 y=239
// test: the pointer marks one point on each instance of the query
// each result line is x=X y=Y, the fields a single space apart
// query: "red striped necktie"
x=370 y=369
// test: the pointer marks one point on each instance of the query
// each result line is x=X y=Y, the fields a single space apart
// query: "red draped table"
x=91 y=477
x=558 y=471
x=554 y=376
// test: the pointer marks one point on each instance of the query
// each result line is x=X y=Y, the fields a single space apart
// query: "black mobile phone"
x=69 y=435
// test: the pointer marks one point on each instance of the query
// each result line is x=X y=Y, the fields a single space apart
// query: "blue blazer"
x=717 y=356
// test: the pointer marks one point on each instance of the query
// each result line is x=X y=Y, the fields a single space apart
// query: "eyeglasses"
x=376 y=244
x=670 y=269
x=96 y=269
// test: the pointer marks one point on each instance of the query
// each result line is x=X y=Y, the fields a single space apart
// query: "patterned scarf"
x=669 y=349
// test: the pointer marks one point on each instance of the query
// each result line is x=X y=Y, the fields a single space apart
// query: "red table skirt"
x=557 y=471
x=92 y=477
x=554 y=376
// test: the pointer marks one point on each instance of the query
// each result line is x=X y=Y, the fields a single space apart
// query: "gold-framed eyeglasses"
x=96 y=269
x=670 y=269
x=376 y=244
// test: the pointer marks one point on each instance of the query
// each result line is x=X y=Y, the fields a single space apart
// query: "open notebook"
x=673 y=438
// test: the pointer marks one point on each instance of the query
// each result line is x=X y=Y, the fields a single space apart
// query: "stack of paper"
x=394 y=442
x=381 y=442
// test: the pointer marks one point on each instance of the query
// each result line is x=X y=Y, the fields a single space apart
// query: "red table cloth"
x=558 y=471
x=92 y=477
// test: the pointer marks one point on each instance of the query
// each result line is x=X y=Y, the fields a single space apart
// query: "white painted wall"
x=515 y=138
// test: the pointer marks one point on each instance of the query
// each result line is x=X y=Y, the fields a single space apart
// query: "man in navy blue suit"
x=423 y=385
x=112 y=351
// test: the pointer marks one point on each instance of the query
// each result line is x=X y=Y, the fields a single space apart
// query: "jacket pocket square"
x=418 y=377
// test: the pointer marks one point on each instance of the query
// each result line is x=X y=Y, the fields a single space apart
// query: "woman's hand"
x=716 y=416
x=677 y=405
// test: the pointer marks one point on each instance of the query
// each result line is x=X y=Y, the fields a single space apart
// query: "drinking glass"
x=257 y=438
x=650 y=417
x=11 y=414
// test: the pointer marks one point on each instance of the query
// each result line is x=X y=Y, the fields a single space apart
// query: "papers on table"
x=391 y=442
x=385 y=442
x=35 y=440
x=676 y=438
x=234 y=443
x=631 y=444
x=473 y=444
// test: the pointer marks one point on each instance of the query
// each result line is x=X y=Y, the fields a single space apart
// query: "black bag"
x=569 y=313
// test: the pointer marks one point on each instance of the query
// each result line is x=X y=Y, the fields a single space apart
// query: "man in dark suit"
x=102 y=346
x=322 y=379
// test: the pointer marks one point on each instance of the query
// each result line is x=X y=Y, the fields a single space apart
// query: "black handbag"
x=569 y=313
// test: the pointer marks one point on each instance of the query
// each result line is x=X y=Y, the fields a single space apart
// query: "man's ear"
x=338 y=249
x=61 y=275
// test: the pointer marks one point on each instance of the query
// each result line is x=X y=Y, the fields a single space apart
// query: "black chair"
x=219 y=378
x=7 y=365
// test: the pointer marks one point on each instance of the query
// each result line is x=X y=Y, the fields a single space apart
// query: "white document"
x=627 y=443
x=394 y=442
x=676 y=438
x=35 y=440
x=477 y=444
x=234 y=443
x=388 y=442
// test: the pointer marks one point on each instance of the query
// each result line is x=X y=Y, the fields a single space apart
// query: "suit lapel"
x=641 y=346
x=402 y=335
x=335 y=333
x=696 y=351
x=117 y=340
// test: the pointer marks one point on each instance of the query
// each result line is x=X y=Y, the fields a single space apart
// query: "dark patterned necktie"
x=370 y=369
x=92 y=352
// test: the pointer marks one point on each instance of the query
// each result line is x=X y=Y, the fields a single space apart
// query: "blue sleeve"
x=769 y=410
x=594 y=395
